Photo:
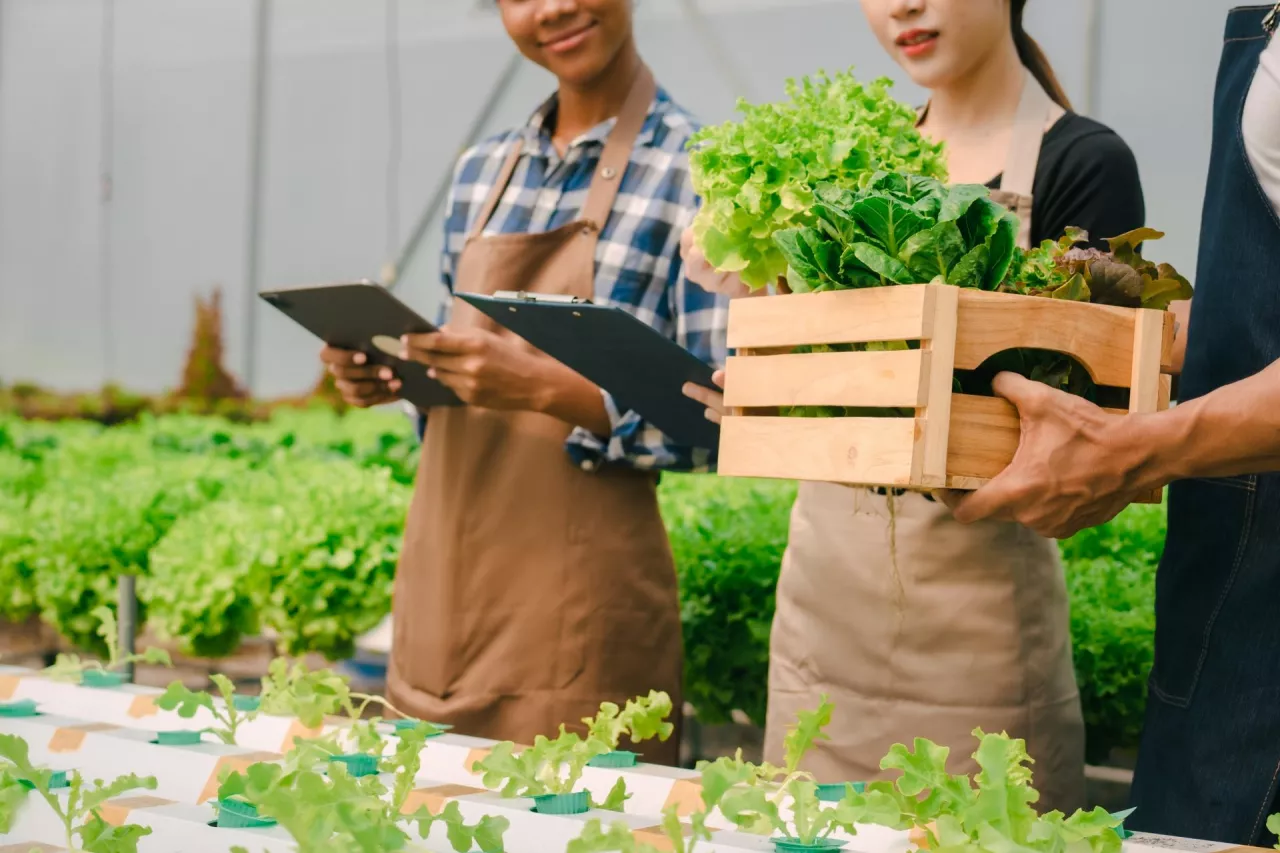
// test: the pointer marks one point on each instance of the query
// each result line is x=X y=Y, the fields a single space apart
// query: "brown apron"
x=971 y=628
x=530 y=590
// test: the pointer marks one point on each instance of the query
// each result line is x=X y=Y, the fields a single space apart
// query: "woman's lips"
x=569 y=41
x=918 y=43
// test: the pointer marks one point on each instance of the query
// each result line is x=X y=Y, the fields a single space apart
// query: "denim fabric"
x=1210 y=752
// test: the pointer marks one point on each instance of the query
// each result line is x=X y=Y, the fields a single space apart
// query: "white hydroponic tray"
x=448 y=757
x=106 y=732
x=180 y=826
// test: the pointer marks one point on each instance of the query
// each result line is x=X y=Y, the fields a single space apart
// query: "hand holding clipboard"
x=640 y=367
x=366 y=318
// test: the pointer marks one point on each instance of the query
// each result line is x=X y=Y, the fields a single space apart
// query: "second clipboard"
x=640 y=367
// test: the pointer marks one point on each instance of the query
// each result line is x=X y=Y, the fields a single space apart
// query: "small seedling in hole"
x=293 y=690
x=324 y=808
x=641 y=719
x=619 y=838
x=752 y=796
x=80 y=812
x=72 y=667
x=189 y=702
x=547 y=767
x=993 y=810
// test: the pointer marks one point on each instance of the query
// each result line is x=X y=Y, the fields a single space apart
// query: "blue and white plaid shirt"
x=638 y=264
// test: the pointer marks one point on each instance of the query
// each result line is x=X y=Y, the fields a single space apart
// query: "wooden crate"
x=956 y=441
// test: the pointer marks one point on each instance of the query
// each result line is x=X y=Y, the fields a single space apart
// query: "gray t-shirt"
x=1262 y=123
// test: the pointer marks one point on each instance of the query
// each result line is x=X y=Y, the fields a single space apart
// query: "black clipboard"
x=640 y=367
x=365 y=316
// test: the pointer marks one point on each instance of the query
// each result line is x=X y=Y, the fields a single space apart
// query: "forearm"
x=574 y=399
x=1232 y=431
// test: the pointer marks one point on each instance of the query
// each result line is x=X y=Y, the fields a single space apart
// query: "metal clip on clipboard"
x=523 y=296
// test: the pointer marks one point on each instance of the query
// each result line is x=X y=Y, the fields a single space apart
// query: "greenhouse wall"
x=152 y=150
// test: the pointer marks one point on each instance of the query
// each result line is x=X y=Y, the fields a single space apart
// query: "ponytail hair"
x=1034 y=59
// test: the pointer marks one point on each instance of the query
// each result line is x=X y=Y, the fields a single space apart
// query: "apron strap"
x=1035 y=108
x=499 y=187
x=617 y=151
x=613 y=160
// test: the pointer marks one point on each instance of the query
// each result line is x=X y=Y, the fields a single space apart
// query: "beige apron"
x=971 y=630
x=530 y=590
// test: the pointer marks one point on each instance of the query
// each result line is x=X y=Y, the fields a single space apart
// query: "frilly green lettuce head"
x=757 y=175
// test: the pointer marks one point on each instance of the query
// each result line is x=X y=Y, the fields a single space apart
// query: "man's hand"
x=361 y=384
x=1076 y=466
x=483 y=368
x=709 y=397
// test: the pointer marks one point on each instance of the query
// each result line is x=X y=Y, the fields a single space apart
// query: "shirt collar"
x=537 y=132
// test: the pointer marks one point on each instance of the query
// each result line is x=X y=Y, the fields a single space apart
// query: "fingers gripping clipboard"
x=640 y=367
x=365 y=317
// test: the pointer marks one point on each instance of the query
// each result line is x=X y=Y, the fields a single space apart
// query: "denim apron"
x=1210 y=754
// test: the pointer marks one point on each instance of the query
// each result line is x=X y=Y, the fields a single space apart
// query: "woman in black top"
x=1087 y=178
x=913 y=624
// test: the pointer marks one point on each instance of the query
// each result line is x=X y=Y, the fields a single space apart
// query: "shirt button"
x=608 y=173
x=588 y=465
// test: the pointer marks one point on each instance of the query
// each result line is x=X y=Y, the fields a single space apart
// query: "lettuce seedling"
x=80 y=812
x=993 y=811
x=548 y=767
x=643 y=718
x=177 y=697
x=619 y=838
x=753 y=796
x=294 y=690
x=68 y=667
x=324 y=808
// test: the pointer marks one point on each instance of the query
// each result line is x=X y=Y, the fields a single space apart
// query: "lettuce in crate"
x=906 y=229
x=757 y=175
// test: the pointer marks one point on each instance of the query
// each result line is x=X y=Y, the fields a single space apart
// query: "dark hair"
x=1034 y=59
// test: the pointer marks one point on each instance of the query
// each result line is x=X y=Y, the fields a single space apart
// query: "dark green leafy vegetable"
x=900 y=229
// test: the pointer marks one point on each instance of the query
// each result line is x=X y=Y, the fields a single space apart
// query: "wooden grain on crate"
x=951 y=440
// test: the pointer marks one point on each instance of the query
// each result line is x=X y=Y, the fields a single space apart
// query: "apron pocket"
x=1210 y=524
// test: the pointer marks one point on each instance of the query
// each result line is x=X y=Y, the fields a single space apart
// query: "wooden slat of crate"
x=1098 y=336
x=984 y=438
x=849 y=450
x=872 y=379
x=874 y=314
x=1145 y=377
x=941 y=312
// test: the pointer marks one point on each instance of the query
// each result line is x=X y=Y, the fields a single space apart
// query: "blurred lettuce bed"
x=284 y=523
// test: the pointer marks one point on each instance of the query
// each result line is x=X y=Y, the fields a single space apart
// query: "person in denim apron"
x=1210 y=754
x=1209 y=762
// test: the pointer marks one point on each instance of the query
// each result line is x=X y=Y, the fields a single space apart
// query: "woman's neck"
x=983 y=102
x=582 y=107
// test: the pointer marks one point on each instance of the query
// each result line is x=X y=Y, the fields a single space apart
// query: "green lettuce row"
x=307 y=548
x=85 y=532
x=728 y=538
